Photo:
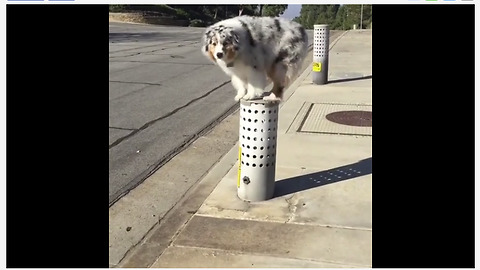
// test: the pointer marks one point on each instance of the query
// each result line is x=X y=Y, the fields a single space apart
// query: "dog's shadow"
x=313 y=180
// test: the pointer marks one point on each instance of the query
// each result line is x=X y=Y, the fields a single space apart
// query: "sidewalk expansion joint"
x=215 y=251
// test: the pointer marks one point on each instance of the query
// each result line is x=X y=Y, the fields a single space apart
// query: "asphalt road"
x=163 y=94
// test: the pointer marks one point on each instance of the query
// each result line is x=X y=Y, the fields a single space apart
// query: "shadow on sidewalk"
x=350 y=79
x=313 y=180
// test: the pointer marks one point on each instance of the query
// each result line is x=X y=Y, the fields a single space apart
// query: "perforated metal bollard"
x=257 y=150
x=321 y=35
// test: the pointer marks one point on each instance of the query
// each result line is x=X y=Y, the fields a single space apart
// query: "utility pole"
x=361 y=16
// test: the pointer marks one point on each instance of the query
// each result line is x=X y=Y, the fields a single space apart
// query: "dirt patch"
x=137 y=17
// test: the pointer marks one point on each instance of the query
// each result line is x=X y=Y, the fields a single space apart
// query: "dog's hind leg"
x=240 y=86
x=256 y=84
x=277 y=74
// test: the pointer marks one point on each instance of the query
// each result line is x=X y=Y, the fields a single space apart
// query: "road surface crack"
x=292 y=207
x=148 y=124
x=122 y=128
x=156 y=84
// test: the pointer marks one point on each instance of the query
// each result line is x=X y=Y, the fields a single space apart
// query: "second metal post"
x=321 y=43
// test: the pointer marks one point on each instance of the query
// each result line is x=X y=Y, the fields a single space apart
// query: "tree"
x=367 y=16
x=272 y=10
x=339 y=19
x=336 y=16
x=247 y=10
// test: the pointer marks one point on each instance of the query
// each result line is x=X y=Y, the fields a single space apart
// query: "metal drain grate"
x=351 y=118
x=348 y=119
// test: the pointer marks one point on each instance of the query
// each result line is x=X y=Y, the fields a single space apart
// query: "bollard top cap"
x=266 y=103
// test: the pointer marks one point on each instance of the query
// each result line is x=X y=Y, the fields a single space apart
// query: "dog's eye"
x=214 y=44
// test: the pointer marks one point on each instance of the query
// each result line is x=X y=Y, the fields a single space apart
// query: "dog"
x=252 y=50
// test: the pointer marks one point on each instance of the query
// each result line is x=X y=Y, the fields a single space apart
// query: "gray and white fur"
x=254 y=49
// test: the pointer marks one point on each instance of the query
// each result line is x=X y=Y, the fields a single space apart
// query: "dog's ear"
x=206 y=40
x=236 y=40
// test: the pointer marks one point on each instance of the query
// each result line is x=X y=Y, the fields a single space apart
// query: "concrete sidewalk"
x=321 y=215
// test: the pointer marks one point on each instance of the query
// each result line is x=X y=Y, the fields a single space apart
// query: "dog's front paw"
x=249 y=96
x=238 y=97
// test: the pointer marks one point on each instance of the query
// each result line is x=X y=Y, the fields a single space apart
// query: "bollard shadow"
x=313 y=180
x=350 y=79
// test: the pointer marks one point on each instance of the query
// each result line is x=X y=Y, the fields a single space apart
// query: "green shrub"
x=116 y=8
x=197 y=23
x=182 y=14
x=166 y=9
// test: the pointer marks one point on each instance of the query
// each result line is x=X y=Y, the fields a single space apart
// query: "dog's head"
x=220 y=43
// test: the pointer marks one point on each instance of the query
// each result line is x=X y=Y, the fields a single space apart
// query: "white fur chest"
x=238 y=69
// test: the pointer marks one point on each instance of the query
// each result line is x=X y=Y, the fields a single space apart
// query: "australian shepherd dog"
x=254 y=50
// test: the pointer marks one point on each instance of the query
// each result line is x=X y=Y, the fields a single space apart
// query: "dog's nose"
x=219 y=55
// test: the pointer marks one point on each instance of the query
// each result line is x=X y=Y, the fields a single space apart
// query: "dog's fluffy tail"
x=292 y=71
x=294 y=60
x=294 y=65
